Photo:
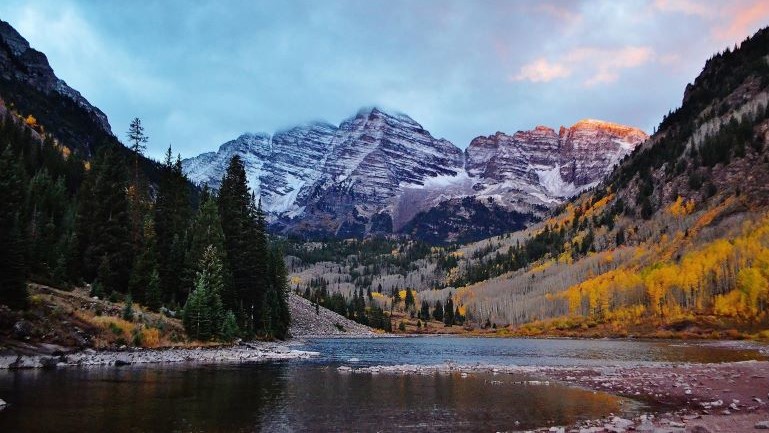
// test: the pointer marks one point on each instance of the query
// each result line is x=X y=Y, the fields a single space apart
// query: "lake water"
x=312 y=395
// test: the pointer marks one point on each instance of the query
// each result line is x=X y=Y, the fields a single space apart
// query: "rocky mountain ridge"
x=382 y=172
x=28 y=81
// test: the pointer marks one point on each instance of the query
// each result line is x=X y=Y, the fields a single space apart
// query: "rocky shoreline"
x=244 y=352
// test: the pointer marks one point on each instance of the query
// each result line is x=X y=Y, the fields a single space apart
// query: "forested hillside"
x=68 y=221
x=676 y=237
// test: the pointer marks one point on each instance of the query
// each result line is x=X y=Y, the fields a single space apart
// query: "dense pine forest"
x=197 y=255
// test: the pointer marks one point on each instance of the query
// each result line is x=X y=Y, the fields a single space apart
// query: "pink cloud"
x=742 y=21
x=542 y=71
x=595 y=65
x=728 y=21
x=688 y=7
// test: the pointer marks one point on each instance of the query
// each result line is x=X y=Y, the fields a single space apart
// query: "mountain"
x=675 y=239
x=381 y=172
x=28 y=82
x=29 y=87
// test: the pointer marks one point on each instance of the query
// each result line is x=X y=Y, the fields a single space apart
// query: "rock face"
x=551 y=166
x=381 y=172
x=28 y=81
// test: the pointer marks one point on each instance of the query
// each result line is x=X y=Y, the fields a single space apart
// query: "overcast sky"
x=199 y=73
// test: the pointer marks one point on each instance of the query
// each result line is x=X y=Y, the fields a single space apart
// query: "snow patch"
x=553 y=183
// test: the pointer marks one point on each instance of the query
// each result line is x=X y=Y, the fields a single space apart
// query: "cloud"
x=727 y=21
x=594 y=65
x=561 y=13
x=687 y=7
x=542 y=71
x=743 y=21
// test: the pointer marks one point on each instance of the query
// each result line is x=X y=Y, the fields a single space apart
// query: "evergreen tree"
x=245 y=244
x=172 y=215
x=138 y=140
x=206 y=230
x=103 y=224
x=424 y=312
x=13 y=288
x=203 y=312
x=145 y=264
x=448 y=311
x=438 y=311
x=229 y=329
x=153 y=298
x=128 y=309
x=409 y=301
x=197 y=317
x=280 y=313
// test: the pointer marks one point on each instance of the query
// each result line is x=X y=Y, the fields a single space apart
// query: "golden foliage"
x=681 y=208
x=725 y=277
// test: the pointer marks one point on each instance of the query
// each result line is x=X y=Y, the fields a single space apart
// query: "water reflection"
x=314 y=396
x=284 y=397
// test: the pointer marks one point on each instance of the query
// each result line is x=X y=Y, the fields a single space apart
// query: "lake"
x=312 y=395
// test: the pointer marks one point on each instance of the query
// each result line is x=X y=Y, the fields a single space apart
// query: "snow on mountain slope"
x=377 y=171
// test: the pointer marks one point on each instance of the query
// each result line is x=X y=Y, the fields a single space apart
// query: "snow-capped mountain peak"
x=379 y=171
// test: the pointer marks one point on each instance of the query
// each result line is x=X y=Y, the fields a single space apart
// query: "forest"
x=200 y=256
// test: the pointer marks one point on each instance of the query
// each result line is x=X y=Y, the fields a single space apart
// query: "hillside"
x=67 y=320
x=30 y=89
x=675 y=241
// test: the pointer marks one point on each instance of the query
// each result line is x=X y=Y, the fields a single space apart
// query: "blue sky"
x=199 y=73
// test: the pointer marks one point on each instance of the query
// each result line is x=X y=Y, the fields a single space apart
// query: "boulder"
x=49 y=361
x=22 y=330
x=762 y=425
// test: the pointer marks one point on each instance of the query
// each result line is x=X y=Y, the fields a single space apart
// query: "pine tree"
x=246 y=250
x=438 y=311
x=409 y=301
x=203 y=312
x=172 y=215
x=145 y=264
x=103 y=227
x=206 y=231
x=424 y=312
x=196 y=317
x=153 y=298
x=229 y=329
x=13 y=288
x=448 y=311
x=280 y=311
x=128 y=309
x=138 y=140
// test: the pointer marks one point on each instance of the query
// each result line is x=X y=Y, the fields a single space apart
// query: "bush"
x=229 y=329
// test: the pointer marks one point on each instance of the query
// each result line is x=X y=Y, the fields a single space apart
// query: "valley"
x=370 y=274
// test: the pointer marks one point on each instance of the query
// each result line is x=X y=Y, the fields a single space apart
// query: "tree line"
x=201 y=255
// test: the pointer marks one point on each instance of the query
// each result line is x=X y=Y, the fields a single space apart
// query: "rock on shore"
x=247 y=352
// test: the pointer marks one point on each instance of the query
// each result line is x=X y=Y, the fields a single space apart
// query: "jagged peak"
x=13 y=39
x=378 y=111
x=606 y=125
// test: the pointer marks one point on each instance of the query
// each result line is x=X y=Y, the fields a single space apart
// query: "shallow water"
x=314 y=396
